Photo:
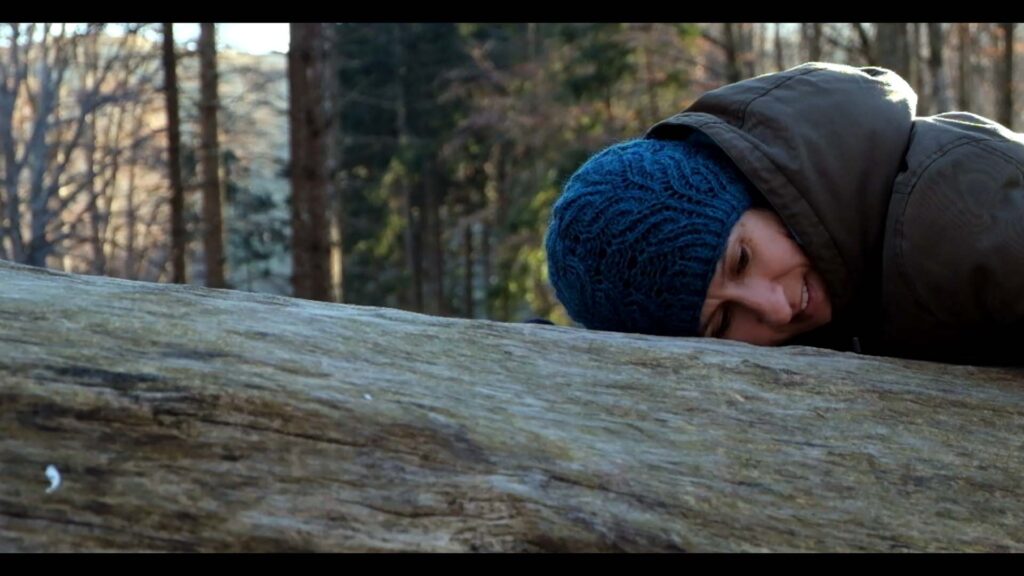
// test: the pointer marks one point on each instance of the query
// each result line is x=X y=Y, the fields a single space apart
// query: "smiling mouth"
x=805 y=302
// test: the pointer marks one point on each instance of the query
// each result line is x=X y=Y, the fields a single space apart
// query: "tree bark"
x=964 y=78
x=414 y=216
x=1006 y=88
x=893 y=47
x=467 y=265
x=940 y=80
x=311 y=162
x=213 y=230
x=178 y=239
x=434 y=241
x=298 y=91
x=485 y=267
x=811 y=36
x=780 y=60
x=731 y=47
x=186 y=419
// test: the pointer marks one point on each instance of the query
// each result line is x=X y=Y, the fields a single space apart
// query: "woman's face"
x=764 y=290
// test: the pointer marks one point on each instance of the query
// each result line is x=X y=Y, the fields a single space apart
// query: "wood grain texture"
x=188 y=419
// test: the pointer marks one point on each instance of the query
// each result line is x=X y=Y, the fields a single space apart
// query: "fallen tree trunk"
x=182 y=418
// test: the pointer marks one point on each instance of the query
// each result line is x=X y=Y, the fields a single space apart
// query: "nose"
x=768 y=301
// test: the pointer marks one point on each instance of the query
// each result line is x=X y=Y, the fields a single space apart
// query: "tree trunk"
x=760 y=63
x=40 y=149
x=336 y=150
x=311 y=164
x=917 y=68
x=747 y=54
x=940 y=81
x=413 y=217
x=185 y=419
x=780 y=60
x=811 y=36
x=338 y=247
x=654 y=113
x=1006 y=86
x=213 y=233
x=96 y=230
x=467 y=290
x=178 y=238
x=964 y=79
x=433 y=229
x=733 y=73
x=485 y=268
x=892 y=45
x=298 y=92
x=862 y=52
x=320 y=162
x=913 y=52
x=134 y=259
x=12 y=245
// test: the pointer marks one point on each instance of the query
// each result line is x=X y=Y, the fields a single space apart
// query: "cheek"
x=746 y=328
x=782 y=260
x=794 y=254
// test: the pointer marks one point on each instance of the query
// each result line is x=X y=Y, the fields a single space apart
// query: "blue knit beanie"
x=637 y=232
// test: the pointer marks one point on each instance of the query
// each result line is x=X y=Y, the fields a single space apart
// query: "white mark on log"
x=54 y=476
x=367 y=396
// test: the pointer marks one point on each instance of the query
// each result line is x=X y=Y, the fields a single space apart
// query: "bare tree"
x=174 y=157
x=865 y=43
x=213 y=230
x=62 y=90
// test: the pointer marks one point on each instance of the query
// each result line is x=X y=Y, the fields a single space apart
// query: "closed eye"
x=743 y=260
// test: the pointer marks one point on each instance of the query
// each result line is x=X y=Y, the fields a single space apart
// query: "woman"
x=808 y=206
